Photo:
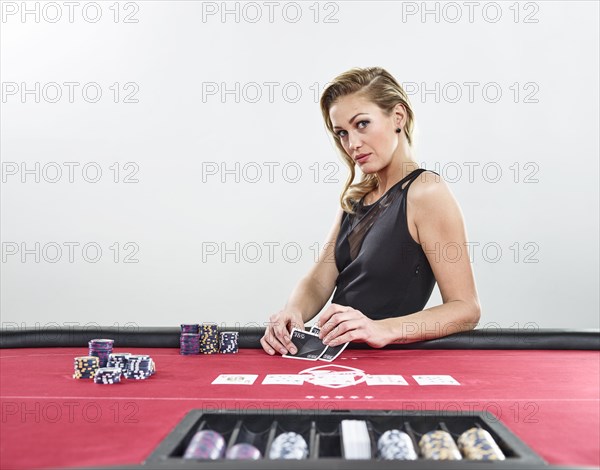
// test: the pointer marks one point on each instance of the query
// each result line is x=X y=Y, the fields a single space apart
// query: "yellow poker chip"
x=478 y=444
x=87 y=358
x=85 y=367
x=439 y=445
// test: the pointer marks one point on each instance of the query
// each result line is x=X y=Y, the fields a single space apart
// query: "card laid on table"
x=386 y=380
x=435 y=380
x=235 y=379
x=283 y=379
x=308 y=344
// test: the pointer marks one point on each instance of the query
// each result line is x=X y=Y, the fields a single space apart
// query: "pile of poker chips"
x=228 y=343
x=396 y=445
x=355 y=439
x=207 y=445
x=189 y=344
x=85 y=367
x=439 y=445
x=119 y=360
x=288 y=445
x=209 y=338
x=101 y=348
x=243 y=451
x=139 y=367
x=107 y=375
x=478 y=444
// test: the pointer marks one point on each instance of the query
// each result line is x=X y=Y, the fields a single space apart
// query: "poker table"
x=543 y=385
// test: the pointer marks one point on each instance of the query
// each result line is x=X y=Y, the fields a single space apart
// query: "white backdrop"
x=166 y=162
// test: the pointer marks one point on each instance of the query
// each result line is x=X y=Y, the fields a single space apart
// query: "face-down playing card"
x=308 y=344
x=332 y=352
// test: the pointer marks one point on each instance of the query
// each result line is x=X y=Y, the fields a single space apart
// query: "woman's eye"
x=358 y=124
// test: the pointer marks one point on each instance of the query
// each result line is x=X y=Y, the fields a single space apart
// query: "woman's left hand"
x=340 y=324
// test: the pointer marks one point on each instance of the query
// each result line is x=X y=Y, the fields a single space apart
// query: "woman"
x=390 y=245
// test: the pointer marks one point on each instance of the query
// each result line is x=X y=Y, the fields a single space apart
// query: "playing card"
x=334 y=379
x=332 y=352
x=309 y=346
x=386 y=380
x=283 y=379
x=435 y=380
x=235 y=379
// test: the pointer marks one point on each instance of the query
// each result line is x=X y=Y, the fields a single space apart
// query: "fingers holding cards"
x=277 y=334
x=311 y=348
x=331 y=320
x=308 y=345
x=332 y=352
x=329 y=312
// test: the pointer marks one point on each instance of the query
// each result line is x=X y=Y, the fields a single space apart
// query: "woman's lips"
x=363 y=158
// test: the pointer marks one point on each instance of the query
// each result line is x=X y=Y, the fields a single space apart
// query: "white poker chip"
x=289 y=446
x=396 y=445
x=392 y=436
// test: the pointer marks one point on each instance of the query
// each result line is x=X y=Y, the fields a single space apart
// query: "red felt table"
x=548 y=398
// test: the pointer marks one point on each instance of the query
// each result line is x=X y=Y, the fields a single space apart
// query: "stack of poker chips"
x=355 y=439
x=439 y=445
x=228 y=342
x=209 y=338
x=478 y=444
x=243 y=451
x=85 y=367
x=108 y=375
x=396 y=445
x=207 y=445
x=118 y=360
x=288 y=445
x=101 y=348
x=139 y=367
x=189 y=343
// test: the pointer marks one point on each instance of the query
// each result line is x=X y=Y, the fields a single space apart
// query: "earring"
x=398 y=130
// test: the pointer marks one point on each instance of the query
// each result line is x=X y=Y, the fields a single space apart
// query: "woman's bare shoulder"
x=429 y=193
x=428 y=184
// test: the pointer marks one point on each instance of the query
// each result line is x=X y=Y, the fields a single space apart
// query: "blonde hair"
x=378 y=86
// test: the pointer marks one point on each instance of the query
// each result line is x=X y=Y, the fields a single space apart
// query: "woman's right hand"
x=277 y=334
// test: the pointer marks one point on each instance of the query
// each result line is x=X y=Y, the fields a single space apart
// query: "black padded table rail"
x=249 y=337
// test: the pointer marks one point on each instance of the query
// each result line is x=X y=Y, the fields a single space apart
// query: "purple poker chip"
x=190 y=328
x=101 y=348
x=243 y=452
x=189 y=343
x=206 y=445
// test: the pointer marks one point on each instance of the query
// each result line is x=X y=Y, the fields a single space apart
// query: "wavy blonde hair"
x=381 y=88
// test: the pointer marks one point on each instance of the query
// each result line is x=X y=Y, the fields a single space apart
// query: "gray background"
x=534 y=228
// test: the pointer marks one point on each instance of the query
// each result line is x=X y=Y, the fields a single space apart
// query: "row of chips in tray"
x=210 y=445
x=354 y=443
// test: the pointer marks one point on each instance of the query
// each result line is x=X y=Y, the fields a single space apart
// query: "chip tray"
x=321 y=429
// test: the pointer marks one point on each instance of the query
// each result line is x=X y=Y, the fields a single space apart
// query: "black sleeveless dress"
x=383 y=271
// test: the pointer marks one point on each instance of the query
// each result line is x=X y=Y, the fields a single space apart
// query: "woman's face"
x=363 y=128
